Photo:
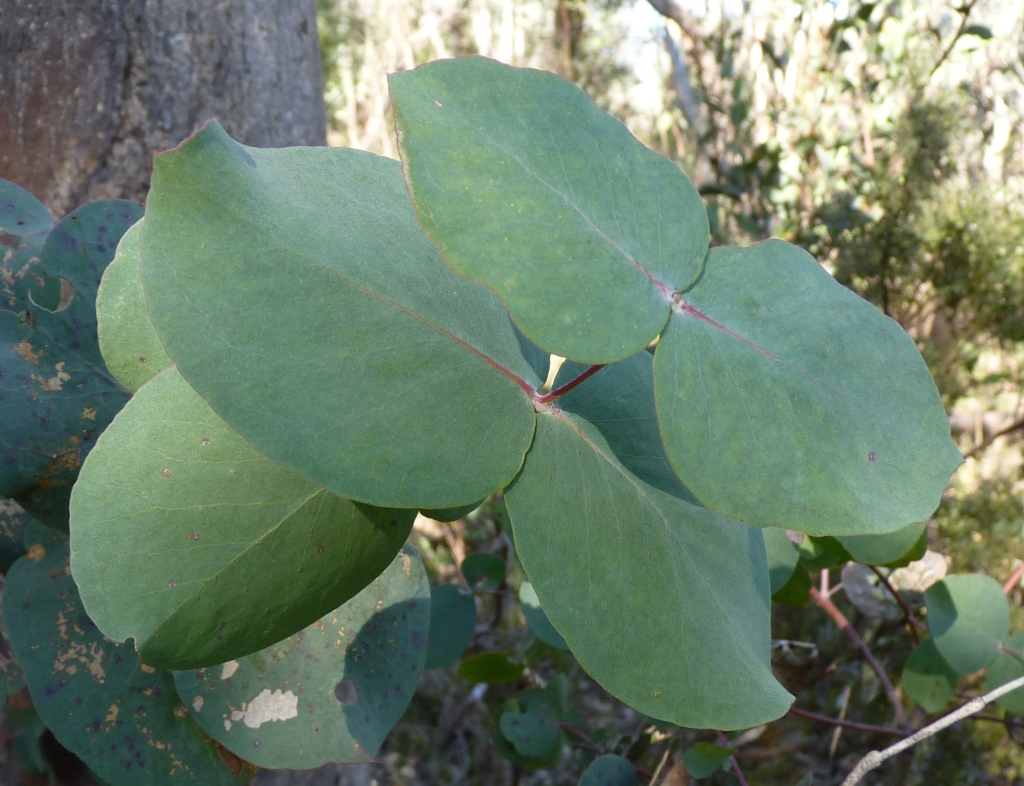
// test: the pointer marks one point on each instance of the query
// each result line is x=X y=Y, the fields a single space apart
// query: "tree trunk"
x=90 y=89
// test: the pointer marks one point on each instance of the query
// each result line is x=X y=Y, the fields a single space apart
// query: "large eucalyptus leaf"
x=883 y=549
x=969 y=617
x=55 y=392
x=331 y=692
x=122 y=718
x=129 y=343
x=623 y=565
x=527 y=187
x=296 y=293
x=787 y=401
x=200 y=548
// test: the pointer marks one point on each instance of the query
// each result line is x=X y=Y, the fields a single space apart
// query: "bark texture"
x=90 y=89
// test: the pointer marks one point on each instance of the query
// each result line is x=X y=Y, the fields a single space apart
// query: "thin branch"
x=1014 y=580
x=914 y=623
x=985 y=443
x=547 y=398
x=724 y=742
x=965 y=12
x=845 y=723
x=840 y=619
x=875 y=758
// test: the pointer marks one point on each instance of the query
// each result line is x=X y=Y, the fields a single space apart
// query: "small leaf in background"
x=928 y=679
x=538 y=621
x=544 y=704
x=188 y=540
x=494 y=668
x=1008 y=665
x=452 y=514
x=796 y=591
x=782 y=557
x=785 y=400
x=483 y=571
x=867 y=593
x=245 y=283
x=121 y=717
x=818 y=553
x=452 y=625
x=331 y=692
x=969 y=617
x=609 y=770
x=705 y=758
x=13 y=523
x=56 y=395
x=500 y=166
x=981 y=31
x=129 y=342
x=884 y=549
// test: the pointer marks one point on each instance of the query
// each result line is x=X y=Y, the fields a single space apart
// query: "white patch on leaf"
x=267 y=706
x=228 y=669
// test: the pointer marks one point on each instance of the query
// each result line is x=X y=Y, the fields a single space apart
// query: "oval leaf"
x=1008 y=665
x=787 y=401
x=483 y=571
x=55 y=392
x=201 y=549
x=609 y=770
x=121 y=717
x=704 y=758
x=256 y=261
x=533 y=730
x=968 y=617
x=129 y=343
x=331 y=692
x=452 y=625
x=494 y=668
x=684 y=589
x=884 y=549
x=527 y=187
x=928 y=679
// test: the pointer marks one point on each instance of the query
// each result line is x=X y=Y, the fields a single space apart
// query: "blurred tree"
x=92 y=89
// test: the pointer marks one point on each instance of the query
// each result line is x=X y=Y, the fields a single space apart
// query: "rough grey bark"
x=90 y=89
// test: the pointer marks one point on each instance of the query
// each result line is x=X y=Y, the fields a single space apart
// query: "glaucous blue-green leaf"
x=928 y=679
x=782 y=557
x=124 y=719
x=188 y=540
x=13 y=523
x=494 y=668
x=969 y=617
x=609 y=770
x=24 y=224
x=704 y=758
x=332 y=691
x=533 y=730
x=452 y=624
x=883 y=549
x=530 y=189
x=539 y=703
x=483 y=571
x=296 y=293
x=1008 y=665
x=128 y=341
x=538 y=621
x=622 y=565
x=820 y=553
x=796 y=590
x=56 y=395
x=787 y=401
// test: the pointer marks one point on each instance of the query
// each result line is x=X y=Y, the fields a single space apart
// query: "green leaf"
x=452 y=514
x=787 y=401
x=122 y=718
x=782 y=557
x=609 y=770
x=24 y=224
x=256 y=261
x=13 y=523
x=201 y=549
x=928 y=679
x=796 y=591
x=968 y=617
x=538 y=621
x=981 y=31
x=622 y=565
x=494 y=668
x=704 y=758
x=55 y=392
x=129 y=343
x=331 y=692
x=483 y=571
x=533 y=730
x=884 y=549
x=1008 y=665
x=820 y=553
x=530 y=189
x=452 y=625
x=540 y=702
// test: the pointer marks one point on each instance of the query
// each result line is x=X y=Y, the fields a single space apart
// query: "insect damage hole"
x=346 y=692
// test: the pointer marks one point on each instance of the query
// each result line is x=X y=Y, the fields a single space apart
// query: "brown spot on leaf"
x=24 y=348
x=193 y=536
x=165 y=473
x=36 y=552
x=206 y=441
x=235 y=765
x=89 y=413
x=180 y=712
x=55 y=382
x=172 y=583
x=319 y=548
